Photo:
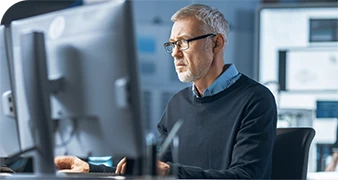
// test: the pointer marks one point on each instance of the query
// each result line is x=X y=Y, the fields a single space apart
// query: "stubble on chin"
x=185 y=76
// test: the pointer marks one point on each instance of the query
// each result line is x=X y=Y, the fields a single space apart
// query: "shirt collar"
x=225 y=80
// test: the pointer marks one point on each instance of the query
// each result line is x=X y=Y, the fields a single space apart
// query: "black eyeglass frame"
x=173 y=44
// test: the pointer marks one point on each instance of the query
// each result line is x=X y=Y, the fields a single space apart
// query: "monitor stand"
x=36 y=84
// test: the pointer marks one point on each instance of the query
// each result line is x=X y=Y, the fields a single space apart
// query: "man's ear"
x=218 y=43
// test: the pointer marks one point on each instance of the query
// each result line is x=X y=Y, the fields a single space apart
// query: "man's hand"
x=71 y=164
x=333 y=164
x=331 y=167
x=121 y=166
x=162 y=168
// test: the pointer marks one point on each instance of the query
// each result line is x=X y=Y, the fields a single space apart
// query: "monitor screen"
x=90 y=52
x=309 y=29
x=9 y=139
x=299 y=69
x=326 y=109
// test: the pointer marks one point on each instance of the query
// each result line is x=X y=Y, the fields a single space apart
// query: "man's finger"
x=123 y=170
x=117 y=171
x=63 y=162
x=119 y=165
x=123 y=160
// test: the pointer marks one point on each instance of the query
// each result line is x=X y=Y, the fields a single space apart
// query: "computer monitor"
x=94 y=81
x=326 y=109
x=298 y=72
x=9 y=138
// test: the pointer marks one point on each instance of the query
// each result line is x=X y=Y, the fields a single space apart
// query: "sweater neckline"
x=222 y=93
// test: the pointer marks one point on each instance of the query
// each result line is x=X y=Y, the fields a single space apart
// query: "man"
x=229 y=120
x=334 y=162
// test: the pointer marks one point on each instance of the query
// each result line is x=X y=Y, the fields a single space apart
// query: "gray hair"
x=213 y=20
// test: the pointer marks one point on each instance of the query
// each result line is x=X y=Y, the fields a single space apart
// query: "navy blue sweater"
x=227 y=135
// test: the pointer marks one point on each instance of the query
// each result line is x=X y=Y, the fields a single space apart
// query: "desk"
x=2 y=175
x=87 y=176
x=322 y=175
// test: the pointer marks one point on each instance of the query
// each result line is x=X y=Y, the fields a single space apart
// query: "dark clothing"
x=227 y=135
x=101 y=168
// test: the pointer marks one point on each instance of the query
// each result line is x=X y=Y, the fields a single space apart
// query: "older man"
x=229 y=119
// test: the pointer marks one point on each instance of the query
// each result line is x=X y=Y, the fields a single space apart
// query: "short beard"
x=186 y=76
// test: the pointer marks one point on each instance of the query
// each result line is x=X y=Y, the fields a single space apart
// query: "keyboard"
x=89 y=175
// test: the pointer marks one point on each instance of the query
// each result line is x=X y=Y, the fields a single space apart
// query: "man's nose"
x=176 y=52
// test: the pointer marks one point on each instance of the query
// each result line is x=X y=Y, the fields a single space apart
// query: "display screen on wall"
x=323 y=30
x=307 y=69
x=297 y=27
x=327 y=109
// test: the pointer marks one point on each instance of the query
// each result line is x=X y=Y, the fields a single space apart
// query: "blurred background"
x=290 y=46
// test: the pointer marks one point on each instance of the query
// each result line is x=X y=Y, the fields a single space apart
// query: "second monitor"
x=93 y=76
x=9 y=139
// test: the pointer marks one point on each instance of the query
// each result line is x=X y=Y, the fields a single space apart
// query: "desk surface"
x=322 y=175
x=87 y=176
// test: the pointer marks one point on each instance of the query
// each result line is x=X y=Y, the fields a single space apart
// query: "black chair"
x=291 y=151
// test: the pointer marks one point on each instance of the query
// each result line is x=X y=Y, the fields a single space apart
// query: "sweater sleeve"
x=252 y=152
x=101 y=168
x=162 y=128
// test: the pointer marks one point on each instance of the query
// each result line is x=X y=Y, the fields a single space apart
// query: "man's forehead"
x=185 y=28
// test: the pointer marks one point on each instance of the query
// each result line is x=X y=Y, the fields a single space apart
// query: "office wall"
x=240 y=15
x=153 y=26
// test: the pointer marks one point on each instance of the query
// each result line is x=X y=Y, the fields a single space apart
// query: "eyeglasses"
x=183 y=44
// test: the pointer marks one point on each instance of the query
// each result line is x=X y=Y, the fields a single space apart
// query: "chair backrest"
x=291 y=151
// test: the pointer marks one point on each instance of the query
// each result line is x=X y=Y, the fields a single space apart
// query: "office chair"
x=291 y=151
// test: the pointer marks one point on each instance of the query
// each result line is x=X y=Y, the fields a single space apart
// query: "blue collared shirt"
x=224 y=81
